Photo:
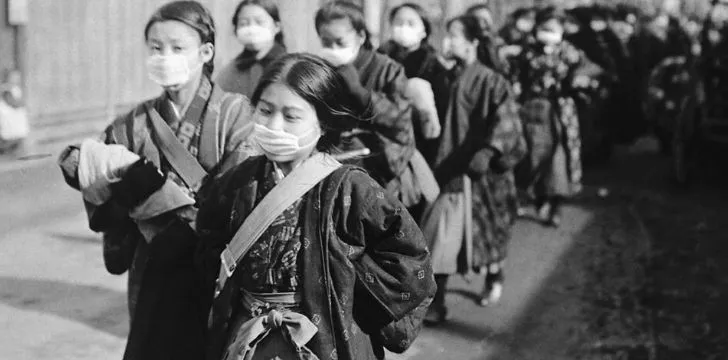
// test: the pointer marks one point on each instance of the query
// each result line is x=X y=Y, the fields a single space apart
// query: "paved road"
x=57 y=302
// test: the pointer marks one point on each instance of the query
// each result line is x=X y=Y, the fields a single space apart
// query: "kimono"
x=421 y=63
x=550 y=119
x=387 y=127
x=351 y=252
x=481 y=143
x=167 y=309
x=242 y=75
x=424 y=64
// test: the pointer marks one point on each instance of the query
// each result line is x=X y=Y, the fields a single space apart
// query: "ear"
x=277 y=29
x=207 y=51
x=363 y=37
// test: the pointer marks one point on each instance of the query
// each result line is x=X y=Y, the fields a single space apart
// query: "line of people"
x=314 y=206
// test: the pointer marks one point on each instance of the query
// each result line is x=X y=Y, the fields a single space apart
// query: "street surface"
x=636 y=274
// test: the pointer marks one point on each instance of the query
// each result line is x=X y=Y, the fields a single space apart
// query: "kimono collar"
x=246 y=59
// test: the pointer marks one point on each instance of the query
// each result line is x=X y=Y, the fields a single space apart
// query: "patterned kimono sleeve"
x=387 y=250
x=392 y=121
x=579 y=64
x=236 y=122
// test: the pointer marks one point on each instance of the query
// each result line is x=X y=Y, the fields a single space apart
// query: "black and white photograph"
x=363 y=179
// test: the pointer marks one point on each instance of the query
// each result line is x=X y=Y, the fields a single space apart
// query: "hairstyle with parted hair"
x=337 y=10
x=269 y=6
x=192 y=14
x=420 y=12
x=318 y=83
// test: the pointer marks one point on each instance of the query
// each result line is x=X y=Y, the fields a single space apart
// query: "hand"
x=140 y=180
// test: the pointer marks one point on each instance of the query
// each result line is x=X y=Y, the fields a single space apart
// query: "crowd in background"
x=456 y=140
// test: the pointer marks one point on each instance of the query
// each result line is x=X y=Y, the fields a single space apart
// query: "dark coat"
x=387 y=128
x=363 y=264
x=482 y=138
x=242 y=75
x=421 y=63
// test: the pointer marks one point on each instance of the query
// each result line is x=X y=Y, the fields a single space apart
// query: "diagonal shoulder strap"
x=291 y=188
x=186 y=166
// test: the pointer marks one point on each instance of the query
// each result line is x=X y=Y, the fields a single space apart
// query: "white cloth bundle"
x=419 y=93
x=99 y=166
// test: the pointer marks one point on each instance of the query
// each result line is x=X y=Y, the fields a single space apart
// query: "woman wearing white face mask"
x=286 y=275
x=377 y=84
x=257 y=26
x=549 y=72
x=193 y=129
x=409 y=46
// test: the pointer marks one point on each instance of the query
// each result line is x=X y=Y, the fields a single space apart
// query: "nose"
x=275 y=121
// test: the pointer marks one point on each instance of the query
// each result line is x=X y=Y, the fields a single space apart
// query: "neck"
x=469 y=60
x=288 y=166
x=412 y=48
x=182 y=96
x=264 y=51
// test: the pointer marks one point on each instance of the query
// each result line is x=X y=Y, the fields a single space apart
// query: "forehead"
x=336 y=28
x=551 y=24
x=407 y=13
x=172 y=31
x=253 y=11
x=282 y=96
x=456 y=28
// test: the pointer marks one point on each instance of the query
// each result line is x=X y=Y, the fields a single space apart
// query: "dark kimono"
x=480 y=145
x=550 y=119
x=242 y=75
x=387 y=127
x=421 y=63
x=350 y=250
x=167 y=309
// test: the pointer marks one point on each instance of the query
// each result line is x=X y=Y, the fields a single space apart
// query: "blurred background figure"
x=257 y=26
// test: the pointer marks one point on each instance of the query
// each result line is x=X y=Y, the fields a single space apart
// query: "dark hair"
x=547 y=14
x=192 y=14
x=521 y=12
x=269 y=6
x=420 y=12
x=337 y=10
x=478 y=7
x=486 y=48
x=317 y=82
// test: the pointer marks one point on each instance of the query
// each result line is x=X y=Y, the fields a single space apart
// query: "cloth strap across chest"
x=289 y=189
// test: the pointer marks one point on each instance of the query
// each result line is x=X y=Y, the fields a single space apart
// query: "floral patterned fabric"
x=550 y=118
x=271 y=264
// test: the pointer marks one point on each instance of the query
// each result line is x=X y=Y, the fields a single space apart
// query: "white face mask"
x=254 y=36
x=169 y=70
x=339 y=56
x=280 y=146
x=524 y=25
x=549 y=37
x=407 y=36
x=598 y=25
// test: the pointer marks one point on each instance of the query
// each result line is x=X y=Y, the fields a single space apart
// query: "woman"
x=167 y=146
x=411 y=31
x=548 y=72
x=342 y=263
x=493 y=50
x=409 y=46
x=378 y=84
x=258 y=28
x=480 y=144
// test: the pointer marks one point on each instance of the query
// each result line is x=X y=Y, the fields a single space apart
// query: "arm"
x=495 y=133
x=389 y=116
x=387 y=250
